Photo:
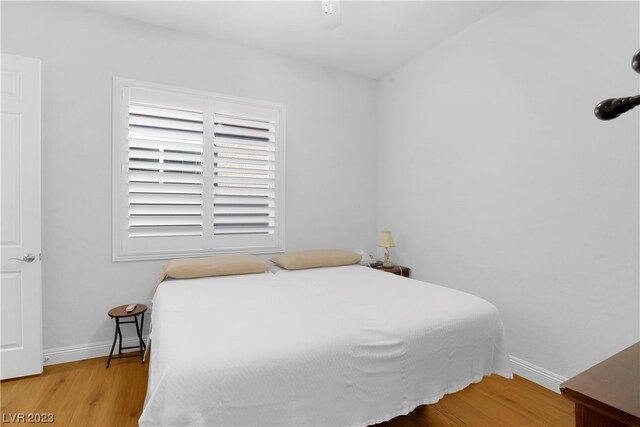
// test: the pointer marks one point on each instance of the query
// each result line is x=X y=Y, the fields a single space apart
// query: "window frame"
x=119 y=168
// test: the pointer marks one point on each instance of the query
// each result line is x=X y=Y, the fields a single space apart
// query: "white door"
x=20 y=267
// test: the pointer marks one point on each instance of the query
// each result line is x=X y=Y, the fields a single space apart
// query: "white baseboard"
x=73 y=353
x=536 y=374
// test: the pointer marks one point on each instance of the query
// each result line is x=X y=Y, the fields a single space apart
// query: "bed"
x=331 y=346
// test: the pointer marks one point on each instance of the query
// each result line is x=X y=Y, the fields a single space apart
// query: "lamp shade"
x=386 y=241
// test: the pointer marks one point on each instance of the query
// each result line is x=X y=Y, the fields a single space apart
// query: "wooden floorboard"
x=85 y=393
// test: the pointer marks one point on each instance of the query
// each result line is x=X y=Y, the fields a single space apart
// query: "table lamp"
x=386 y=241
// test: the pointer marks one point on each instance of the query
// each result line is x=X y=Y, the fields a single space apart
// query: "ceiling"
x=372 y=38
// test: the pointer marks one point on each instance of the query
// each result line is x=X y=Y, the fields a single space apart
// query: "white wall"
x=496 y=178
x=331 y=150
x=494 y=175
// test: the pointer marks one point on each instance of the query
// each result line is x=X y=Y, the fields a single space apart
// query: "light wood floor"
x=85 y=393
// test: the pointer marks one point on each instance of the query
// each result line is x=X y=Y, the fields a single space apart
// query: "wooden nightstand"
x=396 y=269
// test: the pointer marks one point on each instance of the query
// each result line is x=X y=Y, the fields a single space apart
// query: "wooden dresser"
x=608 y=394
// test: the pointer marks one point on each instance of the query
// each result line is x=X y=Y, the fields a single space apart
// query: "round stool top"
x=120 y=311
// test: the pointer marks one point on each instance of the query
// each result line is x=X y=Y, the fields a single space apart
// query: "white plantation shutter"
x=244 y=175
x=195 y=173
x=165 y=171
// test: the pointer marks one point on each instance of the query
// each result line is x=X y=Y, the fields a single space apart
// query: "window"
x=195 y=173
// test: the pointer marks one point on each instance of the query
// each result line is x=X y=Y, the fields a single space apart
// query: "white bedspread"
x=324 y=347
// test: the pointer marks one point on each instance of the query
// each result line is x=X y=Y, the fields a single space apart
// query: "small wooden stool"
x=121 y=313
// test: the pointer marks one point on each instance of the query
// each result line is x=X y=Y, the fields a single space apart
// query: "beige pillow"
x=312 y=259
x=223 y=265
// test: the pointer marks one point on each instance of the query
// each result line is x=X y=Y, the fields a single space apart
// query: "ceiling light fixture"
x=331 y=13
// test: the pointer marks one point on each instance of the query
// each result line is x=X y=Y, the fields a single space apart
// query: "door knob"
x=26 y=258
